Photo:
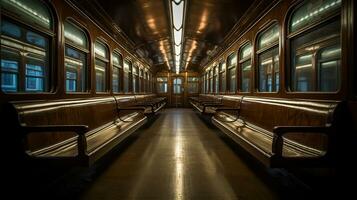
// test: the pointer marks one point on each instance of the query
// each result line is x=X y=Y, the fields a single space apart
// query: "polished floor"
x=178 y=157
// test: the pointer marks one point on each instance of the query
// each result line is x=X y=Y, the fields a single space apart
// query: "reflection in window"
x=135 y=79
x=75 y=73
x=127 y=66
x=24 y=59
x=312 y=12
x=316 y=52
x=268 y=60
x=9 y=75
x=34 y=77
x=222 y=77
x=161 y=84
x=245 y=67
x=32 y=11
x=101 y=65
x=192 y=84
x=117 y=60
x=231 y=65
x=177 y=86
x=215 y=80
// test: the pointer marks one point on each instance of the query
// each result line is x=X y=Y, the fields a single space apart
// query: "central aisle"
x=178 y=157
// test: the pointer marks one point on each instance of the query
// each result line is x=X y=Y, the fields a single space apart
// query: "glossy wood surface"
x=178 y=157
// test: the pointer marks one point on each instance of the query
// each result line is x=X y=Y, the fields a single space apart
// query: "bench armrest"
x=132 y=108
x=78 y=129
x=228 y=109
x=279 y=131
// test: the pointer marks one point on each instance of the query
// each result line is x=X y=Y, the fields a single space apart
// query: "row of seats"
x=277 y=132
x=79 y=131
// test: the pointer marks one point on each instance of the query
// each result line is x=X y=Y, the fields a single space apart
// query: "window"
x=231 y=65
x=135 y=79
x=127 y=73
x=215 y=80
x=101 y=66
x=25 y=53
x=210 y=81
x=161 y=84
x=141 y=82
x=117 y=71
x=76 y=51
x=245 y=64
x=207 y=82
x=315 y=52
x=146 y=84
x=222 y=76
x=192 y=84
x=177 y=86
x=268 y=59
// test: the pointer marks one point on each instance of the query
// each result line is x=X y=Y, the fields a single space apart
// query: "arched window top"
x=75 y=35
x=32 y=11
x=117 y=59
x=312 y=11
x=268 y=37
x=232 y=59
x=100 y=49
x=245 y=51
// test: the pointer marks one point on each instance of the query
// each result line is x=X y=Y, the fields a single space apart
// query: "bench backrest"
x=93 y=112
x=266 y=113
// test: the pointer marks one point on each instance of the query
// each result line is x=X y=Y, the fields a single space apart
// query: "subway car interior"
x=178 y=99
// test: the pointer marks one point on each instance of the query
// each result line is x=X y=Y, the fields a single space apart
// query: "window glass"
x=232 y=79
x=161 y=84
x=268 y=60
x=316 y=59
x=246 y=51
x=9 y=75
x=116 y=84
x=75 y=58
x=100 y=74
x=10 y=29
x=24 y=59
x=100 y=50
x=245 y=72
x=192 y=84
x=34 y=78
x=75 y=35
x=32 y=11
x=268 y=63
x=117 y=59
x=311 y=12
x=126 y=75
x=268 y=37
x=232 y=60
x=177 y=86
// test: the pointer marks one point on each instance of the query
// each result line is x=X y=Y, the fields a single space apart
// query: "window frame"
x=228 y=71
x=120 y=67
x=87 y=87
x=290 y=36
x=107 y=77
x=266 y=49
x=240 y=62
x=50 y=74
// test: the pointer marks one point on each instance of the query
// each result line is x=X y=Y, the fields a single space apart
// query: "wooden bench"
x=206 y=104
x=75 y=132
x=280 y=132
x=151 y=103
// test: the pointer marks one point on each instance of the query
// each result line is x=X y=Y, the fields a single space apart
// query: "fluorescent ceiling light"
x=178 y=36
x=177 y=49
x=178 y=57
x=177 y=12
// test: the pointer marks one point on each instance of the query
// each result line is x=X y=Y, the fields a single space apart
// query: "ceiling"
x=147 y=23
